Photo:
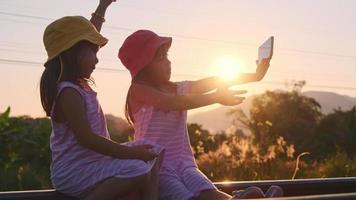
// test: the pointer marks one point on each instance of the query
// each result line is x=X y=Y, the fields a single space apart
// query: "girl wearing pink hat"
x=157 y=108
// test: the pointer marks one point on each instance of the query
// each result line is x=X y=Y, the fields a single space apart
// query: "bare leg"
x=113 y=188
x=213 y=195
x=150 y=190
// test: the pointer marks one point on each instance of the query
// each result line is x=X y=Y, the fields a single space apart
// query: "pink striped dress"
x=76 y=170
x=179 y=176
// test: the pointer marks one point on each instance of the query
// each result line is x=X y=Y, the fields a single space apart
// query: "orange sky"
x=314 y=41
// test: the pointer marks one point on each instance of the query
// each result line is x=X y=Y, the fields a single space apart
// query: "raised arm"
x=144 y=94
x=207 y=84
x=98 y=17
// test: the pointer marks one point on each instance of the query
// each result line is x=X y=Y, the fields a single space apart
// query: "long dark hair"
x=48 y=84
x=128 y=112
x=67 y=61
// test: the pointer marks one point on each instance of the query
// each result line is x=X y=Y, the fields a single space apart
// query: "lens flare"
x=227 y=67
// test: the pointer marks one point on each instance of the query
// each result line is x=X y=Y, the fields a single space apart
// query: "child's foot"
x=248 y=193
x=274 y=191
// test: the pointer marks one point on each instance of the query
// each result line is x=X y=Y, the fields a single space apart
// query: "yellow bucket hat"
x=65 y=32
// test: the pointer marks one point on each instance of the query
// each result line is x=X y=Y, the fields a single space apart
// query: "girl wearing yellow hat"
x=85 y=162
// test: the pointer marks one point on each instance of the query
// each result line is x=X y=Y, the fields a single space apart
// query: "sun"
x=227 y=67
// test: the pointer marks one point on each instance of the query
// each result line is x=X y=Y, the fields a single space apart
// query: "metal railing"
x=298 y=189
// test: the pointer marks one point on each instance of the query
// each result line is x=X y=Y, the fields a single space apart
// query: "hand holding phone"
x=265 y=51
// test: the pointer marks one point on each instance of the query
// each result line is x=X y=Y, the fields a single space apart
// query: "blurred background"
x=302 y=110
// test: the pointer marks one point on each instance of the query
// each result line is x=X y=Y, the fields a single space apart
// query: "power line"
x=199 y=38
x=116 y=61
x=21 y=51
x=25 y=16
x=19 y=62
x=18 y=21
x=314 y=86
x=108 y=60
x=317 y=53
x=103 y=69
x=112 y=70
x=131 y=30
x=179 y=36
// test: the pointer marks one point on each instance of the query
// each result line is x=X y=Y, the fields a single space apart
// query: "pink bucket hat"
x=139 y=49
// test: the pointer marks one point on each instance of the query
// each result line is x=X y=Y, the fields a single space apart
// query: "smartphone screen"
x=266 y=49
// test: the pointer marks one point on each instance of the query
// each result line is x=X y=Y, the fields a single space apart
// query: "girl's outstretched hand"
x=228 y=97
x=143 y=152
x=106 y=3
x=262 y=69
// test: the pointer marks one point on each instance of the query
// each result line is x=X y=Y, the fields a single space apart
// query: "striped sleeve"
x=183 y=87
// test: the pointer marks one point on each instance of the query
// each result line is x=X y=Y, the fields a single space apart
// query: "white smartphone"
x=265 y=51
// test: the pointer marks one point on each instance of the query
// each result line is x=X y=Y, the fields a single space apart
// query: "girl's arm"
x=98 y=17
x=207 y=84
x=144 y=94
x=72 y=106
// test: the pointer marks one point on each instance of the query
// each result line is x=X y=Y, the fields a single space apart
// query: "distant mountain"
x=330 y=101
x=216 y=119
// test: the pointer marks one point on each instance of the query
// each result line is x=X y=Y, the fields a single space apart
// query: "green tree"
x=25 y=153
x=336 y=131
x=202 y=141
x=283 y=113
x=120 y=131
x=239 y=159
x=351 y=136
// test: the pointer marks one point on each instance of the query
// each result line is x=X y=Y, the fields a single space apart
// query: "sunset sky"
x=315 y=40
